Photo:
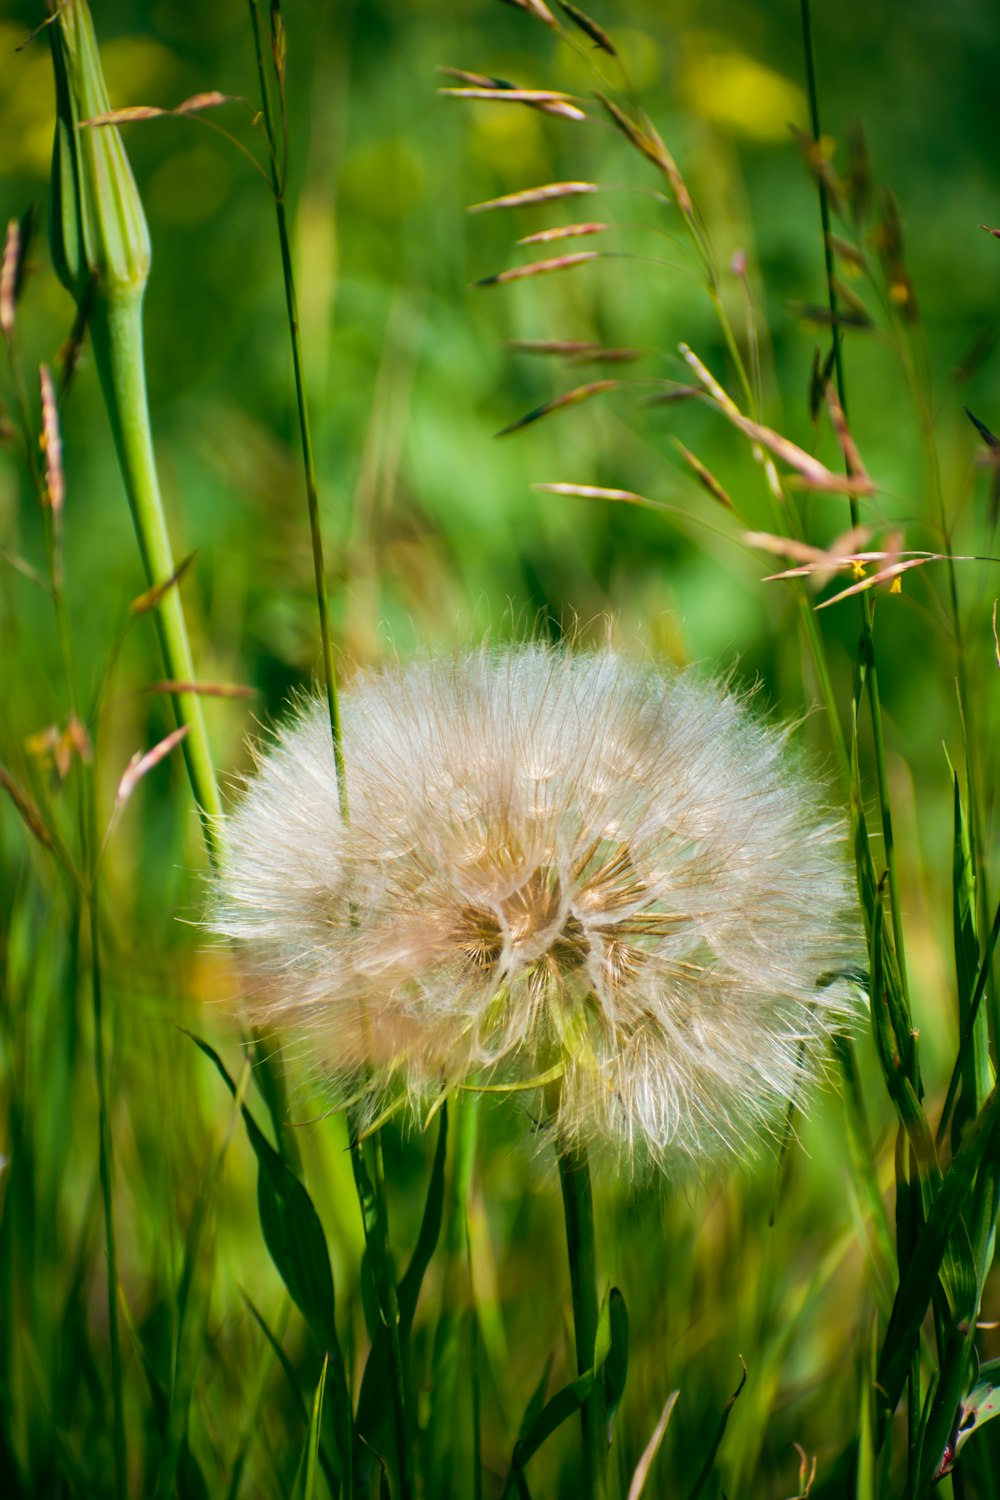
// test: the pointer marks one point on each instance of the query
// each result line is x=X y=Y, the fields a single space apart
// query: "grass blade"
x=917 y=1285
x=312 y=1442
x=652 y=1448
x=297 y=1246
x=720 y=1433
x=616 y=1360
x=374 y=1413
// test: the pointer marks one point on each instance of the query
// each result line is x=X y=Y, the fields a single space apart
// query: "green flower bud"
x=101 y=253
x=97 y=225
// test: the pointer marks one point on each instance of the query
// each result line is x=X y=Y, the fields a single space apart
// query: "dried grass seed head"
x=553 y=860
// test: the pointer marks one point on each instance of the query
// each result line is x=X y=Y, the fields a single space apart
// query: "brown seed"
x=527 y=196
x=562 y=232
x=539 y=268
x=51 y=444
x=8 y=279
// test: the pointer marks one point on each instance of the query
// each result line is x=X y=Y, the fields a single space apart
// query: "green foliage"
x=199 y=1299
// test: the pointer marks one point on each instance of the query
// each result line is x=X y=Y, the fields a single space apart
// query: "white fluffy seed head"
x=554 y=862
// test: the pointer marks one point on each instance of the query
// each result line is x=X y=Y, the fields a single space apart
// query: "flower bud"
x=97 y=224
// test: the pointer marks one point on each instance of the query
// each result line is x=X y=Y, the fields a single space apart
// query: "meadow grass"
x=210 y=1281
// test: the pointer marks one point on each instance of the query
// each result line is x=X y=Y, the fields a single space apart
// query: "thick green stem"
x=464 y=1127
x=116 y=330
x=578 y=1208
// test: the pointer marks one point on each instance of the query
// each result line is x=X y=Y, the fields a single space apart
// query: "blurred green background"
x=434 y=537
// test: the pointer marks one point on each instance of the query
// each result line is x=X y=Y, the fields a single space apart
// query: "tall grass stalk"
x=377 y=1225
x=867 y=644
x=106 y=1168
x=277 y=155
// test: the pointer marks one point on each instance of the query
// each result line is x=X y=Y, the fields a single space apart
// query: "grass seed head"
x=555 y=861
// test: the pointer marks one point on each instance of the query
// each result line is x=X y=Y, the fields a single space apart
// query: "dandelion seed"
x=555 y=864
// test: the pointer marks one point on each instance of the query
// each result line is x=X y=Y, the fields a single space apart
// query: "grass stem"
x=867 y=644
x=305 y=430
x=105 y=1161
x=378 y=1242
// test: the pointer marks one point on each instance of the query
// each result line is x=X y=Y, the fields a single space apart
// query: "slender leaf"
x=616 y=1361
x=374 y=1411
x=976 y=1070
x=652 y=1448
x=315 y=1427
x=563 y=1405
x=720 y=1433
x=280 y=1356
x=867 y=1471
x=297 y=1246
x=917 y=1285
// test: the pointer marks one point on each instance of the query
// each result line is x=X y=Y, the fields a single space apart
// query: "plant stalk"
x=305 y=429
x=578 y=1209
x=107 y=1192
x=867 y=644
x=464 y=1125
x=377 y=1233
x=391 y=1314
x=116 y=332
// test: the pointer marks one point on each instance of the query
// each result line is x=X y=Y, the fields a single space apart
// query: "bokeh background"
x=434 y=538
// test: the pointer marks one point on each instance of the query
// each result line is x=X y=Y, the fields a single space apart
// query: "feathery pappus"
x=556 y=863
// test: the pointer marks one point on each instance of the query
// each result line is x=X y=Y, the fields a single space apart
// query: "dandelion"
x=559 y=868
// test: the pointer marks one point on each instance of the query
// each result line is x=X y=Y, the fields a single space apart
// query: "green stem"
x=867 y=645
x=966 y=701
x=390 y=1312
x=464 y=1125
x=105 y=1165
x=825 y=685
x=116 y=331
x=578 y=1208
x=312 y=498
x=305 y=431
x=730 y=340
x=375 y=1216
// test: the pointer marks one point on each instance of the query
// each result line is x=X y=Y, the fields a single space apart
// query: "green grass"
x=206 y=1286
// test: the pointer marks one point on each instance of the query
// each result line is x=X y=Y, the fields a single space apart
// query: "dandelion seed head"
x=554 y=862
